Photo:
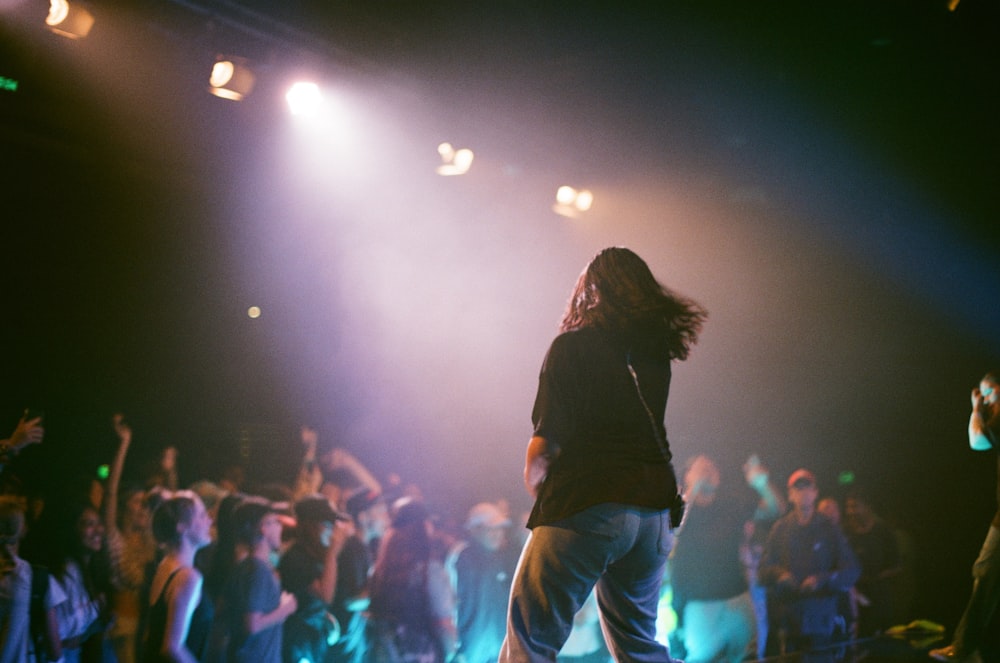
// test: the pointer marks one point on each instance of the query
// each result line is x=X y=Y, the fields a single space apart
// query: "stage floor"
x=883 y=649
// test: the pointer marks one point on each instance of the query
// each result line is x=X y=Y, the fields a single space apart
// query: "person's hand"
x=287 y=603
x=309 y=438
x=755 y=473
x=342 y=531
x=810 y=584
x=168 y=461
x=27 y=431
x=122 y=429
x=977 y=399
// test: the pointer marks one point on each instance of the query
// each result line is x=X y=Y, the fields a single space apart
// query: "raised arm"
x=342 y=459
x=326 y=584
x=984 y=419
x=124 y=433
x=28 y=431
x=310 y=478
x=757 y=476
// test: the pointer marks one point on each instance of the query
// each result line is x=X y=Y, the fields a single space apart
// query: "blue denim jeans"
x=618 y=550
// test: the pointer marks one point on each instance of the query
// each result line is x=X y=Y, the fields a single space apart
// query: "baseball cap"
x=801 y=477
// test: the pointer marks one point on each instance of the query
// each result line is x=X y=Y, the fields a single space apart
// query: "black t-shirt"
x=588 y=408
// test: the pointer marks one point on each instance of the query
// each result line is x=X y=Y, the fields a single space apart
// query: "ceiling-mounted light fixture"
x=571 y=202
x=231 y=78
x=73 y=21
x=454 y=162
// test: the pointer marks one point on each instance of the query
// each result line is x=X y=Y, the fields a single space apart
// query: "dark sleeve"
x=552 y=414
x=846 y=570
x=352 y=569
x=771 y=565
x=298 y=570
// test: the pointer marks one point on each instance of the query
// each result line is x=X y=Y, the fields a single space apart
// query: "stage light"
x=303 y=98
x=253 y=312
x=571 y=202
x=73 y=21
x=231 y=78
x=454 y=162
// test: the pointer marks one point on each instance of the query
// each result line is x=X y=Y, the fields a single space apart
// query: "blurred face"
x=137 y=514
x=830 y=509
x=989 y=390
x=802 y=495
x=323 y=533
x=374 y=521
x=200 y=529
x=858 y=513
x=90 y=530
x=270 y=527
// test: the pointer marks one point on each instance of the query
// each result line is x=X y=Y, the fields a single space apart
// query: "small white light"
x=253 y=312
x=565 y=195
x=463 y=159
x=454 y=162
x=222 y=73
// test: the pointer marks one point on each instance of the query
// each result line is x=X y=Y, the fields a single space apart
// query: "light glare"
x=253 y=312
x=454 y=162
x=73 y=21
x=303 y=98
x=570 y=202
x=565 y=195
x=222 y=73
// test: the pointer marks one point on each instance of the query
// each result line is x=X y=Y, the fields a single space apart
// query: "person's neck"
x=183 y=554
x=804 y=515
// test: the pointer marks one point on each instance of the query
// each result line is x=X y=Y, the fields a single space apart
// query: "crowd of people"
x=335 y=566
x=338 y=567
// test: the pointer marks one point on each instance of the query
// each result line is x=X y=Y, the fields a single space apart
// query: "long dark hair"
x=617 y=292
x=399 y=578
x=61 y=545
x=177 y=510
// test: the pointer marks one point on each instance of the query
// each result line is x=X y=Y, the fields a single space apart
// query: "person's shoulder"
x=575 y=340
x=187 y=580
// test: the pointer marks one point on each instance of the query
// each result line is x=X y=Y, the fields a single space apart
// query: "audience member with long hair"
x=182 y=526
x=410 y=616
x=75 y=552
x=598 y=464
